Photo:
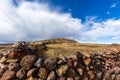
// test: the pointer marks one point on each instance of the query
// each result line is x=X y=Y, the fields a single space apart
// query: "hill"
x=63 y=46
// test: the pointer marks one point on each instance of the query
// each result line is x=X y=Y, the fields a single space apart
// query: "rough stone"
x=75 y=63
x=118 y=77
x=80 y=71
x=62 y=70
x=60 y=62
x=91 y=75
x=70 y=61
x=99 y=75
x=61 y=78
x=50 y=64
x=70 y=73
x=13 y=66
x=31 y=72
x=3 y=59
x=32 y=78
x=62 y=57
x=39 y=62
x=21 y=74
x=1 y=72
x=12 y=60
x=51 y=76
x=73 y=56
x=106 y=76
x=28 y=61
x=87 y=61
x=115 y=70
x=69 y=78
x=20 y=45
x=77 y=77
x=3 y=66
x=85 y=76
x=42 y=73
x=8 y=75
x=16 y=55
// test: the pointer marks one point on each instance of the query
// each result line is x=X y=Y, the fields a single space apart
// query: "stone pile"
x=22 y=63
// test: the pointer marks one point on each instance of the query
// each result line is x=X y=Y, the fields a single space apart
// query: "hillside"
x=63 y=46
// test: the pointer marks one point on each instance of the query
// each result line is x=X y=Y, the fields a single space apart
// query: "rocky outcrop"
x=22 y=63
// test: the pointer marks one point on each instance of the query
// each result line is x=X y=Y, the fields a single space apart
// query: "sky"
x=86 y=21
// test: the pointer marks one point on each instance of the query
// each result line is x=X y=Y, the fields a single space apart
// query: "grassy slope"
x=68 y=47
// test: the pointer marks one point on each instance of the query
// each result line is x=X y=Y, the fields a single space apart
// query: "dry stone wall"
x=21 y=63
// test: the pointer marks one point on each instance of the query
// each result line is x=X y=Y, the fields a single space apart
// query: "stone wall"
x=21 y=63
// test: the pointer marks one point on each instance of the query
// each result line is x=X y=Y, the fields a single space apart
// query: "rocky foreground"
x=21 y=62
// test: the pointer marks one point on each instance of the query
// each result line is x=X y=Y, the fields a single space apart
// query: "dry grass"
x=70 y=48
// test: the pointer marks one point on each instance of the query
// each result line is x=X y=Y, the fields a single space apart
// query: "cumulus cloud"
x=107 y=28
x=32 y=21
x=35 y=21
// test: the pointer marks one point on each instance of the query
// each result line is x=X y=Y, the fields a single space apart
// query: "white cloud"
x=35 y=21
x=114 y=5
x=108 y=28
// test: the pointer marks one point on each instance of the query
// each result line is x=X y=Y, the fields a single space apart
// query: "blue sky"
x=103 y=9
x=94 y=21
x=81 y=8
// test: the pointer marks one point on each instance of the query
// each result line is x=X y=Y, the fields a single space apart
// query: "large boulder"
x=50 y=64
x=28 y=61
x=8 y=75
